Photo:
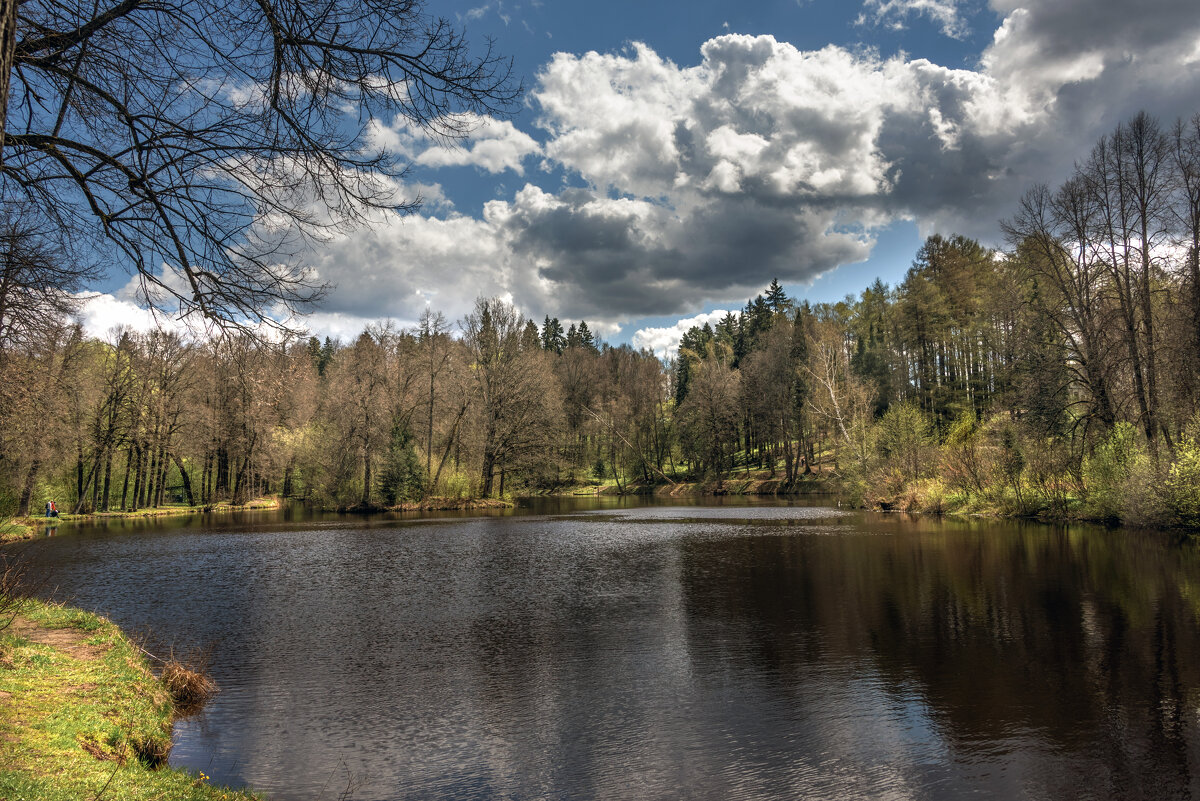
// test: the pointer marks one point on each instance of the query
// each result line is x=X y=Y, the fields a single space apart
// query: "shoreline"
x=23 y=528
x=18 y=529
x=747 y=485
x=84 y=715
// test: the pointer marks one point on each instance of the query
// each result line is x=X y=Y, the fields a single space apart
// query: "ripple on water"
x=669 y=652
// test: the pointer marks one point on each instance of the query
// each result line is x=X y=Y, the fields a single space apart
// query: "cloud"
x=489 y=144
x=664 y=342
x=394 y=270
x=102 y=313
x=894 y=14
x=696 y=184
x=600 y=257
x=492 y=145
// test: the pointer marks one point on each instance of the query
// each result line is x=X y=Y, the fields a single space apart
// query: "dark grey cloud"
x=764 y=161
x=603 y=254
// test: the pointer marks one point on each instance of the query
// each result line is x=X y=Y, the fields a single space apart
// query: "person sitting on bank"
x=53 y=509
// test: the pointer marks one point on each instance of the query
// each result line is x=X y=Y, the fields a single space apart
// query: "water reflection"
x=669 y=652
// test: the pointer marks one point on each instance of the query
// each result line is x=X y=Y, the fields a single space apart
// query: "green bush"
x=965 y=463
x=905 y=437
x=1182 y=485
x=456 y=485
x=1107 y=473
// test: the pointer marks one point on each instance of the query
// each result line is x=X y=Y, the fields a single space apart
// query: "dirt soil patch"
x=72 y=642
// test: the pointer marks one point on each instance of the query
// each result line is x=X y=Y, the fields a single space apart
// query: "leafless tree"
x=518 y=397
x=204 y=145
x=37 y=281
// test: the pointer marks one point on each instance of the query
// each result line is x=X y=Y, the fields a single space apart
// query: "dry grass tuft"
x=189 y=684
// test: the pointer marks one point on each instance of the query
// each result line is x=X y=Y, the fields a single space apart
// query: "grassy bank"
x=437 y=504
x=19 y=528
x=741 y=483
x=432 y=504
x=82 y=716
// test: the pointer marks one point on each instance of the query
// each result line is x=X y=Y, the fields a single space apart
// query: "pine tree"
x=552 y=335
x=585 y=336
x=401 y=478
x=777 y=299
x=530 y=340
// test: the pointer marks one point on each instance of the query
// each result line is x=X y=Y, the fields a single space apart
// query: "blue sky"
x=671 y=158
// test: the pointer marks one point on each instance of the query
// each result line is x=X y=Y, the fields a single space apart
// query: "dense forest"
x=1059 y=376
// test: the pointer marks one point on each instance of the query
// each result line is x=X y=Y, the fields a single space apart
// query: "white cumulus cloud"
x=664 y=342
x=694 y=184
x=895 y=13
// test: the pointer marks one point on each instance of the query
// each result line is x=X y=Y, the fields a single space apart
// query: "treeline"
x=488 y=407
x=1059 y=377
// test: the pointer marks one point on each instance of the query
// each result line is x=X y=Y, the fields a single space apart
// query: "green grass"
x=84 y=718
x=23 y=528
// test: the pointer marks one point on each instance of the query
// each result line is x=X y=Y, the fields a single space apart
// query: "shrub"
x=964 y=460
x=1182 y=485
x=905 y=437
x=1049 y=477
x=455 y=485
x=1107 y=472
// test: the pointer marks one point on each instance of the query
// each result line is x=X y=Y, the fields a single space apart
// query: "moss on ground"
x=82 y=716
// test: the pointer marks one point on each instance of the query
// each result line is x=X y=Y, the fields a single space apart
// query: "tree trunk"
x=8 y=47
x=96 y=485
x=137 y=479
x=27 y=489
x=366 y=493
x=148 y=487
x=164 y=469
x=489 y=467
x=429 y=435
x=187 y=481
x=107 y=478
x=78 y=476
x=125 y=482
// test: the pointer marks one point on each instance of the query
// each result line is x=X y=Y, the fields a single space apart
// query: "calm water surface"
x=647 y=652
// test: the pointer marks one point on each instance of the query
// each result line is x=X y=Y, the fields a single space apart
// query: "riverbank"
x=24 y=528
x=83 y=717
x=737 y=484
x=432 y=504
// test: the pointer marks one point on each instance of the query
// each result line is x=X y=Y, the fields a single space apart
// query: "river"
x=626 y=649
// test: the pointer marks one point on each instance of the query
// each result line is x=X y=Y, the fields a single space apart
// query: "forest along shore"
x=1057 y=378
x=23 y=528
x=83 y=716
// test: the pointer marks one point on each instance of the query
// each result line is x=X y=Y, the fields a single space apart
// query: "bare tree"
x=518 y=398
x=36 y=281
x=203 y=145
x=433 y=335
x=1185 y=143
x=1051 y=235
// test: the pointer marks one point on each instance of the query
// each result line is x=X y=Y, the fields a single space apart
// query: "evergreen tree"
x=585 y=336
x=325 y=355
x=572 y=337
x=777 y=299
x=530 y=340
x=693 y=347
x=401 y=477
x=552 y=335
x=756 y=320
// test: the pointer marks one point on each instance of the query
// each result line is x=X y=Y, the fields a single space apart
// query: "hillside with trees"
x=1058 y=377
